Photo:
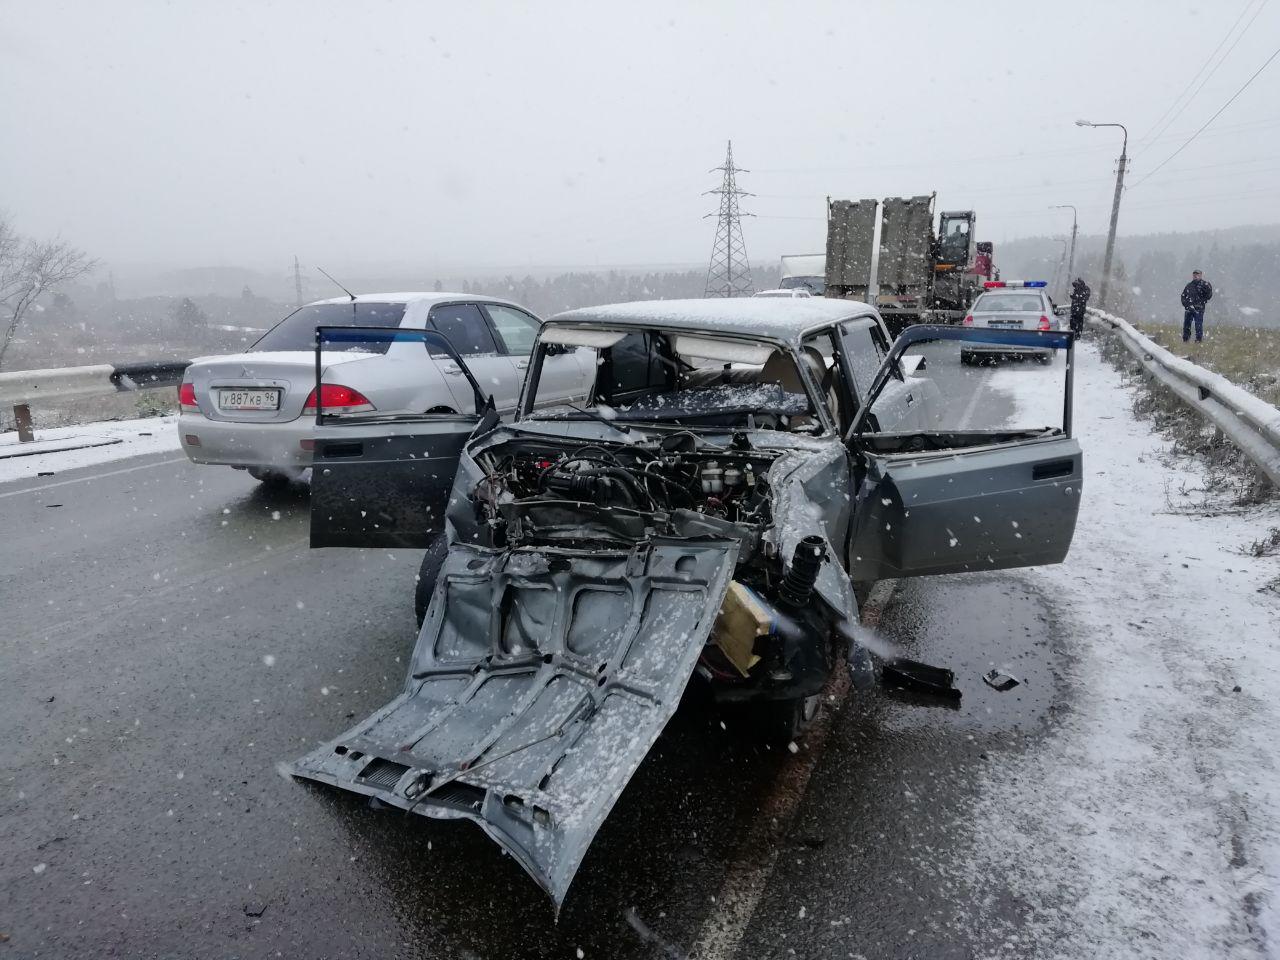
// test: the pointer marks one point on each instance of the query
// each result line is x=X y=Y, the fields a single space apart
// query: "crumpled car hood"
x=541 y=678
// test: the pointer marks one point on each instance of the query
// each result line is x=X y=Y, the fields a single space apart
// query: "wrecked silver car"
x=705 y=511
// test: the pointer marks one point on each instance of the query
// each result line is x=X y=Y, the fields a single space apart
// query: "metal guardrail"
x=21 y=387
x=1251 y=423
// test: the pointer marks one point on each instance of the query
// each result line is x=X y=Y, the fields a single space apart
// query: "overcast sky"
x=466 y=136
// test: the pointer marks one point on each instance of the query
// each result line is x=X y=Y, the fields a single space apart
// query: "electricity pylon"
x=729 y=274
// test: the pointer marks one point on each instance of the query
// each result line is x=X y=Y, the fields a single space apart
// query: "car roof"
x=419 y=297
x=774 y=318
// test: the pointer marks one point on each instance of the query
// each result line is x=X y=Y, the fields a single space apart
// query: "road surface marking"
x=757 y=855
x=96 y=476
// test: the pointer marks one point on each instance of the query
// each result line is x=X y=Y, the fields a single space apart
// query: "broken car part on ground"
x=706 y=510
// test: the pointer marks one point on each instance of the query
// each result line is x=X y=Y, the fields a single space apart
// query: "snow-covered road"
x=1148 y=823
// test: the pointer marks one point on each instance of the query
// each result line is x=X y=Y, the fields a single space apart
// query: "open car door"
x=383 y=480
x=988 y=477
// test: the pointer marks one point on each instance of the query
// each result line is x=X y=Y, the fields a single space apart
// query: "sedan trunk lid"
x=290 y=372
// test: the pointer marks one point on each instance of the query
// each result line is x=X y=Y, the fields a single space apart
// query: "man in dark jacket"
x=1194 y=297
x=1079 y=300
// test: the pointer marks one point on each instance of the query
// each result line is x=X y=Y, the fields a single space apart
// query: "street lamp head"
x=1083 y=123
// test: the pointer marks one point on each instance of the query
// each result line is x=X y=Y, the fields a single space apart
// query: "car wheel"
x=780 y=722
x=428 y=574
x=273 y=478
x=966 y=357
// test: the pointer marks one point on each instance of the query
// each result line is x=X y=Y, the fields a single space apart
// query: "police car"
x=1010 y=305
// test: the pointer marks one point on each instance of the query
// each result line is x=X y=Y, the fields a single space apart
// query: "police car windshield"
x=1008 y=303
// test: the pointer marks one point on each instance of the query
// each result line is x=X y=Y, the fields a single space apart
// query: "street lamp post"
x=1071 y=257
x=1115 y=207
x=1057 y=267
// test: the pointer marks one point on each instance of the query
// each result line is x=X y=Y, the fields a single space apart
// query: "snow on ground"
x=1147 y=822
x=136 y=437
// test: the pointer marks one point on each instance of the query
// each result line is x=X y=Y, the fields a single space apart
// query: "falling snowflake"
x=269 y=659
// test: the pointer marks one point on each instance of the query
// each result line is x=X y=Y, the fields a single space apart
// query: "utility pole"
x=729 y=274
x=1115 y=208
x=1071 y=257
x=297 y=280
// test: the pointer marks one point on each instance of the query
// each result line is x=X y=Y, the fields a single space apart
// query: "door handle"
x=1051 y=469
x=522 y=364
x=451 y=368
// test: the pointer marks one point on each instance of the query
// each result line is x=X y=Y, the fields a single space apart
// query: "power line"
x=1220 y=62
x=1231 y=100
x=1156 y=126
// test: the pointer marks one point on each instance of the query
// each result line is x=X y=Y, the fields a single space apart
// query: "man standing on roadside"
x=1079 y=300
x=1194 y=297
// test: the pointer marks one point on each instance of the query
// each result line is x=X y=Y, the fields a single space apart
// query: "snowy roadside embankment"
x=1146 y=823
x=92 y=443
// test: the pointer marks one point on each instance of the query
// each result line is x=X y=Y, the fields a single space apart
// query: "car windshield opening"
x=297 y=331
x=657 y=376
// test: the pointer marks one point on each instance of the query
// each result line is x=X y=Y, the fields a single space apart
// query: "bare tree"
x=28 y=270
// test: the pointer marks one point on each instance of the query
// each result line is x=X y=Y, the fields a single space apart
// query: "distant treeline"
x=90 y=324
x=1149 y=272
x=568 y=291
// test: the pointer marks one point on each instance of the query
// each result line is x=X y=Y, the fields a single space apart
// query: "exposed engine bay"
x=770 y=639
x=660 y=482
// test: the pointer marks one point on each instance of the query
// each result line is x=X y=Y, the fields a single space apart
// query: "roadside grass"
x=1249 y=356
x=1231 y=481
x=1267 y=545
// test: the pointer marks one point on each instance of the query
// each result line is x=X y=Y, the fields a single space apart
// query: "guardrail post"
x=22 y=417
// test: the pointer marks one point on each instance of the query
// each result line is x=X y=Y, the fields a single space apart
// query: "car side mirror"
x=1059 y=310
x=556 y=349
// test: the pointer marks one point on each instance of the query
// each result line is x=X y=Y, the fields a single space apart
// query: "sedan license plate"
x=249 y=399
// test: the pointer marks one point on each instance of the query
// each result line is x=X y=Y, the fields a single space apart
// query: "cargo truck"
x=914 y=274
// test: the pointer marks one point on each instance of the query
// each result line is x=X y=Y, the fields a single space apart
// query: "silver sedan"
x=255 y=411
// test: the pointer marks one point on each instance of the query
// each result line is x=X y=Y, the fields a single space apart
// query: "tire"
x=275 y=479
x=780 y=722
x=966 y=357
x=428 y=574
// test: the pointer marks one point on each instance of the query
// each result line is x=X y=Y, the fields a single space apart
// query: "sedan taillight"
x=187 y=398
x=1044 y=323
x=968 y=321
x=339 y=399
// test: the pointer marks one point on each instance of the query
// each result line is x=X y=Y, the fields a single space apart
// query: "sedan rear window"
x=1009 y=303
x=297 y=331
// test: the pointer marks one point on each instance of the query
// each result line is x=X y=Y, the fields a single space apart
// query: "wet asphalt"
x=168 y=638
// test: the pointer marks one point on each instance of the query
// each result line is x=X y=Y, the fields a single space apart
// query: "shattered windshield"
x=654 y=376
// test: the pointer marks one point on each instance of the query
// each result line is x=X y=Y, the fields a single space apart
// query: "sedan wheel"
x=270 y=477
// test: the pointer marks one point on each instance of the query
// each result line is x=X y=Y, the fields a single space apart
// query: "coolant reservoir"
x=712 y=478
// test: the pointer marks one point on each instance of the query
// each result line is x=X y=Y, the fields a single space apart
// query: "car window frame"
x=430 y=324
x=504 y=347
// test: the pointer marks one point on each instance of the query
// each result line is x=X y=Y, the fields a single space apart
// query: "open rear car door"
x=988 y=477
x=378 y=480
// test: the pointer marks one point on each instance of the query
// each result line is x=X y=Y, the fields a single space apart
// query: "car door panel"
x=382 y=480
x=987 y=509
x=385 y=485
x=468 y=331
x=561 y=376
x=934 y=501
